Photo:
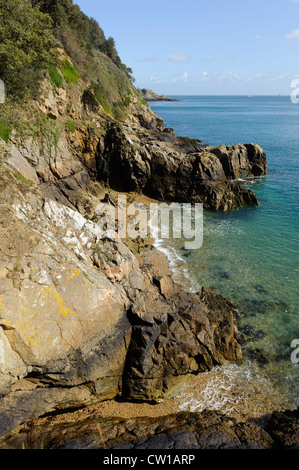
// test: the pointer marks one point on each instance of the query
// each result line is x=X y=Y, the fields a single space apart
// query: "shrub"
x=5 y=131
x=77 y=31
x=127 y=101
x=118 y=111
x=26 y=47
x=70 y=73
x=93 y=97
x=98 y=91
x=55 y=76
x=89 y=100
x=71 y=127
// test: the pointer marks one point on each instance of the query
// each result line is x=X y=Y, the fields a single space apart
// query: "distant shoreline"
x=149 y=95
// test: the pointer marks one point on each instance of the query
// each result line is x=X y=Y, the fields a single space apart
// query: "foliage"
x=55 y=76
x=93 y=97
x=26 y=47
x=127 y=101
x=118 y=111
x=89 y=100
x=70 y=73
x=4 y=131
x=70 y=125
x=76 y=31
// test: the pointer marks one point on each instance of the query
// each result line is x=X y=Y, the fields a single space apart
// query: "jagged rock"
x=19 y=164
x=207 y=430
x=284 y=427
x=81 y=319
x=159 y=168
x=187 y=334
x=75 y=333
x=241 y=159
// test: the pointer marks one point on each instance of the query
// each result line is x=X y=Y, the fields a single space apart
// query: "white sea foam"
x=177 y=264
x=235 y=390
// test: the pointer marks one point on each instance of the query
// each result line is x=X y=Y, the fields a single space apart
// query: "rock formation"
x=82 y=318
x=181 y=431
x=149 y=95
x=164 y=167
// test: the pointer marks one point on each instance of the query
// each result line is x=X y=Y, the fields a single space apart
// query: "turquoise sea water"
x=251 y=255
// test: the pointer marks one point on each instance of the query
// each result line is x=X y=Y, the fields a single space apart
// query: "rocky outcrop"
x=186 y=335
x=182 y=431
x=149 y=95
x=156 y=164
x=82 y=320
x=241 y=160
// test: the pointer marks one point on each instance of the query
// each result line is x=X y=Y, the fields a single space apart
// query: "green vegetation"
x=4 y=131
x=99 y=95
x=127 y=101
x=26 y=47
x=70 y=73
x=30 y=31
x=30 y=121
x=80 y=35
x=118 y=110
x=55 y=76
x=94 y=96
x=70 y=125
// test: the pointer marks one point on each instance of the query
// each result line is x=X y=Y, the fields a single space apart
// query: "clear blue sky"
x=204 y=46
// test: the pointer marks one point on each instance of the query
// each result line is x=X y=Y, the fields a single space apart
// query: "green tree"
x=78 y=33
x=26 y=47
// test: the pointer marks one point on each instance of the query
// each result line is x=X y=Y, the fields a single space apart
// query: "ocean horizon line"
x=221 y=95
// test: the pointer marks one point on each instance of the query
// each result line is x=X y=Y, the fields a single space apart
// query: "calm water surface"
x=250 y=255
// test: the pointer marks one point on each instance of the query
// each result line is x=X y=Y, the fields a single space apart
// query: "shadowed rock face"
x=207 y=430
x=156 y=164
x=187 y=335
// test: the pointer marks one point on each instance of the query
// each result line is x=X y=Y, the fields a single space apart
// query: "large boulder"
x=239 y=160
x=133 y=160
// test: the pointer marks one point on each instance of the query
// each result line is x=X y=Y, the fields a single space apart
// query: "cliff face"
x=82 y=319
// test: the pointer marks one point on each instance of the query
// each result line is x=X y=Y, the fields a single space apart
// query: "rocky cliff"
x=85 y=318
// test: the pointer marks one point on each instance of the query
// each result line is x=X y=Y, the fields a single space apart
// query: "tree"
x=96 y=34
x=26 y=46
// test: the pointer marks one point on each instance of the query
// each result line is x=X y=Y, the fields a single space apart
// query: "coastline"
x=117 y=342
x=209 y=392
x=208 y=387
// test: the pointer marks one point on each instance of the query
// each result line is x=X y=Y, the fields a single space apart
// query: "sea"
x=249 y=255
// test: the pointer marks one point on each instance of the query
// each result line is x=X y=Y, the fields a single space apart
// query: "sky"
x=205 y=47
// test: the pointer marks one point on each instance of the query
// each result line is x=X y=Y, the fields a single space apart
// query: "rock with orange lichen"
x=83 y=320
